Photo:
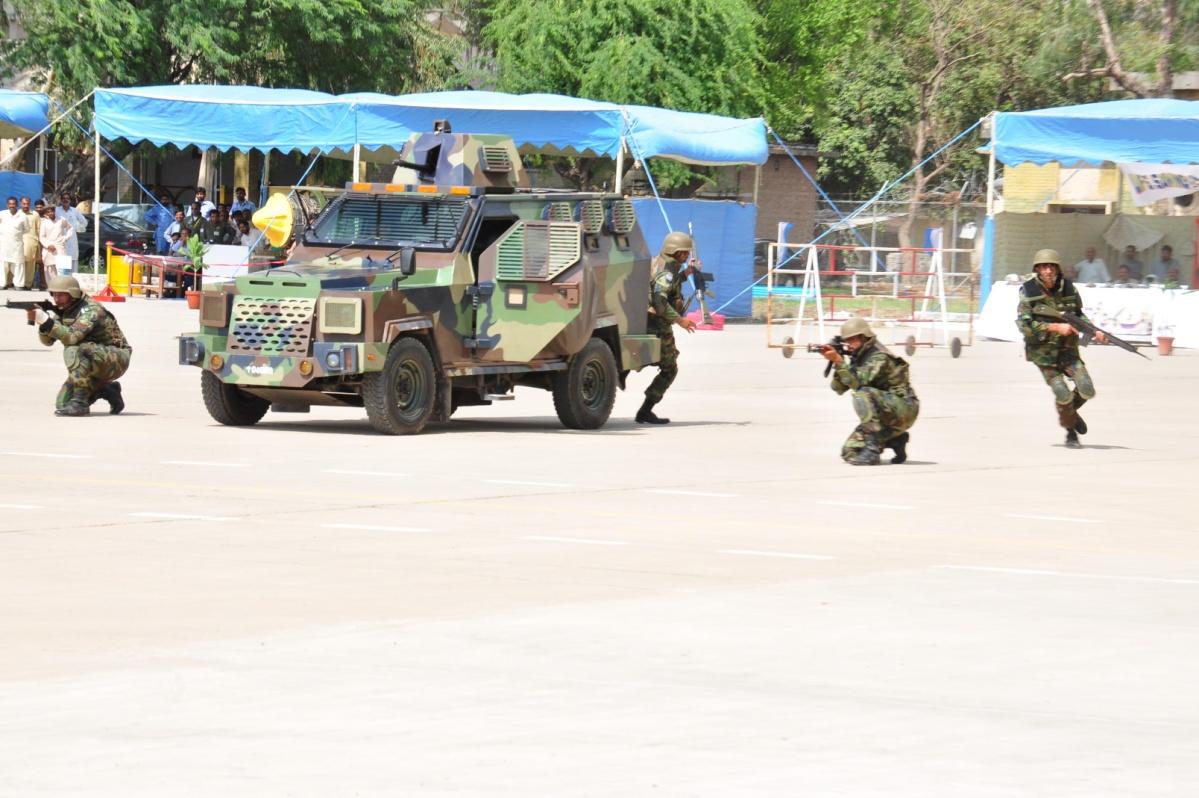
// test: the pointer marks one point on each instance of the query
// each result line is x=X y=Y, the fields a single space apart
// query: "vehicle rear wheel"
x=585 y=392
x=230 y=405
x=399 y=399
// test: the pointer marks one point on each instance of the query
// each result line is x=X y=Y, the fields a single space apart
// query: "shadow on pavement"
x=1096 y=446
x=548 y=426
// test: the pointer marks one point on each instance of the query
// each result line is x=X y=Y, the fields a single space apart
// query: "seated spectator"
x=185 y=235
x=1136 y=269
x=1163 y=264
x=175 y=226
x=207 y=229
x=1092 y=269
x=1124 y=276
x=226 y=232
x=247 y=237
x=240 y=203
x=193 y=217
x=1172 y=278
x=170 y=272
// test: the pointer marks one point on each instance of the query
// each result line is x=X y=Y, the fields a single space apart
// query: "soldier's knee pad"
x=863 y=405
x=1084 y=386
x=71 y=357
x=1061 y=391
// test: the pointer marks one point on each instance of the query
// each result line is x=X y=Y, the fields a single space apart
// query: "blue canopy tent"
x=226 y=118
x=374 y=126
x=22 y=113
x=552 y=124
x=1122 y=131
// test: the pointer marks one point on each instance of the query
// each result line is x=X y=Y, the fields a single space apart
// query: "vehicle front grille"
x=271 y=326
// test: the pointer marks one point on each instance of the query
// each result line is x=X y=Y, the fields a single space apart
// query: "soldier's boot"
x=111 y=393
x=646 y=414
x=1072 y=440
x=869 y=453
x=73 y=408
x=1080 y=426
x=900 y=445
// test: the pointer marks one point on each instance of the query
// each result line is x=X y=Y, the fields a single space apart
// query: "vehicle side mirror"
x=408 y=261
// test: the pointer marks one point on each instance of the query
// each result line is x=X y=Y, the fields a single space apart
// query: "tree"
x=1142 y=44
x=693 y=55
x=327 y=45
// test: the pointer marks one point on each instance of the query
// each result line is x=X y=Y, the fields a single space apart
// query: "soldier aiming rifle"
x=882 y=394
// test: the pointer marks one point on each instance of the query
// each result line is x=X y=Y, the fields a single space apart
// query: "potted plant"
x=195 y=251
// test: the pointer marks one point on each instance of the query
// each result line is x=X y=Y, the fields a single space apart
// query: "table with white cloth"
x=1134 y=313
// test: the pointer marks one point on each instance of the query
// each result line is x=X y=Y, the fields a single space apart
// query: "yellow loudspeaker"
x=275 y=219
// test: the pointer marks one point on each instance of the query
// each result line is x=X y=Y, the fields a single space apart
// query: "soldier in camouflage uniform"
x=94 y=348
x=665 y=311
x=1053 y=347
x=882 y=395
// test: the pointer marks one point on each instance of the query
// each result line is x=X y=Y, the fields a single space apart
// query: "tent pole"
x=620 y=166
x=96 y=211
x=991 y=178
x=757 y=182
x=357 y=161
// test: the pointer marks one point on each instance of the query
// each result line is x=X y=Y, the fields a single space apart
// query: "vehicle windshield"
x=391 y=222
x=120 y=223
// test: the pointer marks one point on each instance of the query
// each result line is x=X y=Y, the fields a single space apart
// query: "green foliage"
x=196 y=249
x=696 y=55
x=328 y=45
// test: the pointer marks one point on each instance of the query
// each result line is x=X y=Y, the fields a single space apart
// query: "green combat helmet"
x=1047 y=256
x=677 y=242
x=65 y=284
x=856 y=326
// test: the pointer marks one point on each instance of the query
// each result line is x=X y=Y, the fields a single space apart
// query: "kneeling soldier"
x=882 y=395
x=94 y=348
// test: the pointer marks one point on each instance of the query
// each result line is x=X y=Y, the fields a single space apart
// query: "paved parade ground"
x=500 y=606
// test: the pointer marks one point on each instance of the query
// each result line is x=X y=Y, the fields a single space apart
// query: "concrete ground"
x=503 y=607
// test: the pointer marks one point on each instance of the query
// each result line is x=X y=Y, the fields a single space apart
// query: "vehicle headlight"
x=333 y=360
x=214 y=309
x=341 y=315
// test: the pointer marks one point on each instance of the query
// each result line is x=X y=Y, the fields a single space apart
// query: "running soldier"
x=94 y=348
x=882 y=395
x=1053 y=346
x=665 y=311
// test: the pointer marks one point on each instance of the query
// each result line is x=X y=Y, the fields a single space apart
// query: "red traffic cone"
x=108 y=295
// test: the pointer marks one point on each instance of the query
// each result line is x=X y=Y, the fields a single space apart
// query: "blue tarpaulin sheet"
x=20 y=184
x=22 y=113
x=226 y=117
x=724 y=241
x=1123 y=131
x=254 y=118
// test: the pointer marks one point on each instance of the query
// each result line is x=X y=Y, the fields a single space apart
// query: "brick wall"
x=785 y=195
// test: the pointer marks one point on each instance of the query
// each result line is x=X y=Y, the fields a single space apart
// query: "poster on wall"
x=1150 y=182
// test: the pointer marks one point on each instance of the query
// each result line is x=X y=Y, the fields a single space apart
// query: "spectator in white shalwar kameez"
x=13 y=225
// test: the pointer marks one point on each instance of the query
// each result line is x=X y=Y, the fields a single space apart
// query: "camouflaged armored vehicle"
x=450 y=286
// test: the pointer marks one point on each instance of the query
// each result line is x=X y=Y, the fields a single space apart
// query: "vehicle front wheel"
x=399 y=399
x=585 y=392
x=230 y=405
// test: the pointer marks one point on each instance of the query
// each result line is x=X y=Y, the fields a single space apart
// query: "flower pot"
x=193 y=300
x=1165 y=346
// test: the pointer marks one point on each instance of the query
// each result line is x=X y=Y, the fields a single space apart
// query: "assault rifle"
x=700 y=280
x=1086 y=330
x=838 y=345
x=30 y=304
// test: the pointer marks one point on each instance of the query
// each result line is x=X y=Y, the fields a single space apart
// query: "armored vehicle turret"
x=451 y=286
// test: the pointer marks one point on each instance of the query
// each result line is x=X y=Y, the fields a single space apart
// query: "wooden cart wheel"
x=955 y=347
x=909 y=346
x=788 y=347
